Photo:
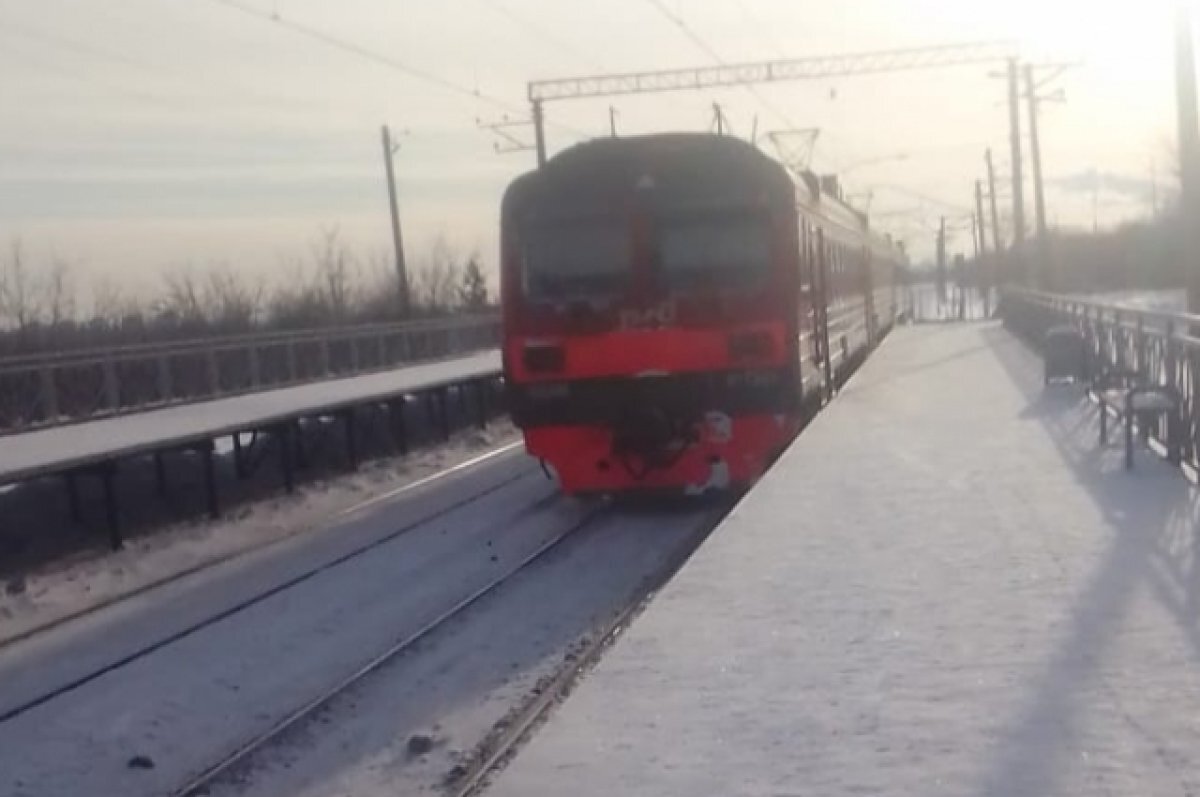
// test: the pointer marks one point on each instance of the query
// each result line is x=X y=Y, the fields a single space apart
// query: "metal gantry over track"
x=755 y=72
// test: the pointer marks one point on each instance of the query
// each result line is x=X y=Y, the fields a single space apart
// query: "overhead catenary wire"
x=90 y=51
x=687 y=30
x=386 y=61
x=760 y=29
x=541 y=32
x=161 y=98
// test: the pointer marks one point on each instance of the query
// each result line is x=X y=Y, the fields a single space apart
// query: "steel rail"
x=150 y=648
x=518 y=728
x=202 y=783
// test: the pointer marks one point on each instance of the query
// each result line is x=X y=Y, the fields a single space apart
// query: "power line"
x=363 y=52
x=686 y=29
x=700 y=43
x=166 y=100
x=759 y=28
x=384 y=60
x=542 y=33
x=71 y=45
x=87 y=50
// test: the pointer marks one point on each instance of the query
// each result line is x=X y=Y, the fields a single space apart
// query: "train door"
x=872 y=319
x=821 y=310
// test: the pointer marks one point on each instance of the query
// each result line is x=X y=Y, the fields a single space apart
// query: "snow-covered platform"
x=944 y=588
x=34 y=453
x=99 y=443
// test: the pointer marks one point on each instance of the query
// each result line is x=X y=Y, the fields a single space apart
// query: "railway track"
x=502 y=745
x=106 y=604
x=201 y=784
x=154 y=645
x=481 y=681
x=60 y=740
x=46 y=747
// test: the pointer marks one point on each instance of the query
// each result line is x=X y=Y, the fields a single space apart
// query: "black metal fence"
x=925 y=303
x=1159 y=349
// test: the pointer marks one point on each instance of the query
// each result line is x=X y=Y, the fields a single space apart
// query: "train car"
x=675 y=306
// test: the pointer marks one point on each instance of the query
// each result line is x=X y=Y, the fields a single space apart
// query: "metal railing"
x=924 y=304
x=54 y=389
x=1161 y=348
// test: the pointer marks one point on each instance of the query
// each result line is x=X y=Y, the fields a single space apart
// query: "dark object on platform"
x=1064 y=353
x=1133 y=400
x=419 y=744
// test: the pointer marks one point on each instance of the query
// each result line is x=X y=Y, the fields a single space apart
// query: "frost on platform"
x=944 y=588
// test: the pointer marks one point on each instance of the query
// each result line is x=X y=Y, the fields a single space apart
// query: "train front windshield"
x=576 y=259
x=714 y=251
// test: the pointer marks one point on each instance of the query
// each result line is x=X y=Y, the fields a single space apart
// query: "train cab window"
x=576 y=258
x=714 y=250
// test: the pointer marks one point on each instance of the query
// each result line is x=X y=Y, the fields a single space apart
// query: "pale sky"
x=140 y=135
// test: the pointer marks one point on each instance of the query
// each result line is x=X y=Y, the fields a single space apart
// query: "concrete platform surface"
x=944 y=588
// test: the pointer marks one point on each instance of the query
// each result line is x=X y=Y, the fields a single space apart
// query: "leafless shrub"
x=335 y=271
x=331 y=286
x=19 y=292
x=434 y=285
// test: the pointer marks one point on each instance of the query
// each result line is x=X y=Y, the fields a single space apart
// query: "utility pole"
x=997 y=239
x=941 y=263
x=984 y=263
x=612 y=121
x=1189 y=150
x=982 y=228
x=1018 y=199
x=539 y=132
x=1153 y=190
x=1044 y=276
x=719 y=119
x=389 y=150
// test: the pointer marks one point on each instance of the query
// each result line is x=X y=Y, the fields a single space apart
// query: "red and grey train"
x=676 y=306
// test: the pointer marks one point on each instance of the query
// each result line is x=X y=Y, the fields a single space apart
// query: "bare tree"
x=18 y=289
x=378 y=295
x=335 y=272
x=232 y=304
x=110 y=303
x=182 y=300
x=473 y=291
x=435 y=283
x=59 y=293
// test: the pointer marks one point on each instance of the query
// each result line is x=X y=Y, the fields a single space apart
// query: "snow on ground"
x=63 y=590
x=471 y=674
x=346 y=597
x=943 y=588
x=1167 y=301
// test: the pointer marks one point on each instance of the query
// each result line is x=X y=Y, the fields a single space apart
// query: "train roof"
x=733 y=170
x=667 y=163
